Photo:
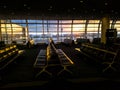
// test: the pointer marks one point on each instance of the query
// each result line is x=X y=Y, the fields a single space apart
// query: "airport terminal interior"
x=58 y=44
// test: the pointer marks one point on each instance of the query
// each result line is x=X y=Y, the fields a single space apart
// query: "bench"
x=41 y=62
x=115 y=62
x=7 y=55
x=64 y=60
x=51 y=62
x=107 y=59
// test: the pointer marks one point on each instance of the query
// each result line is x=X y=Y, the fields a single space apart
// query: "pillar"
x=104 y=27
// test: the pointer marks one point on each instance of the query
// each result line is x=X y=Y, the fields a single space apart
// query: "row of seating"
x=41 y=62
x=50 y=58
x=102 y=57
x=8 y=54
x=64 y=60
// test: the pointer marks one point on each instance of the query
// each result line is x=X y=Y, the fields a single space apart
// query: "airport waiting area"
x=58 y=66
x=59 y=45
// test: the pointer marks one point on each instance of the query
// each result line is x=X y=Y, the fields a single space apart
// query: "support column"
x=105 y=26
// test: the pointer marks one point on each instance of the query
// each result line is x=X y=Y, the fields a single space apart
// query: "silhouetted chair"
x=114 y=63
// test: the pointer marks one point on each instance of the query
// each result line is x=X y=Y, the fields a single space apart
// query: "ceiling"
x=59 y=8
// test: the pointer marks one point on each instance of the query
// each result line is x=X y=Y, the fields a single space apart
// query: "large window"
x=41 y=30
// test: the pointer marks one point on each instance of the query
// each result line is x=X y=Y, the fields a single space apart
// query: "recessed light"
x=81 y=1
x=25 y=5
x=106 y=3
x=73 y=8
x=4 y=6
x=50 y=6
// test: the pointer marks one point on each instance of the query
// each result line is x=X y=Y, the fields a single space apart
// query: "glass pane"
x=65 y=21
x=79 y=21
x=94 y=21
x=18 y=21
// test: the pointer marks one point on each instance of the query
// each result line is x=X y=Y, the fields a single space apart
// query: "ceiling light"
x=4 y=6
x=106 y=3
x=81 y=1
x=73 y=8
x=25 y=5
x=50 y=6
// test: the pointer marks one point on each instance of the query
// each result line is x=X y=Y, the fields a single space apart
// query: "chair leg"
x=64 y=69
x=110 y=66
x=43 y=70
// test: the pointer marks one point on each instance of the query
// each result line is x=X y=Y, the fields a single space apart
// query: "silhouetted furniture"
x=41 y=62
x=102 y=57
x=111 y=35
x=115 y=62
x=8 y=54
x=64 y=60
x=96 y=40
x=50 y=59
x=30 y=43
x=82 y=40
x=68 y=41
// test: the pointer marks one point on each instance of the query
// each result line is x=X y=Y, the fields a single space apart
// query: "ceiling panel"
x=60 y=8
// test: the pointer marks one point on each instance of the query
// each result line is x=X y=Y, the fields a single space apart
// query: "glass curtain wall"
x=40 y=30
x=11 y=31
x=93 y=29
